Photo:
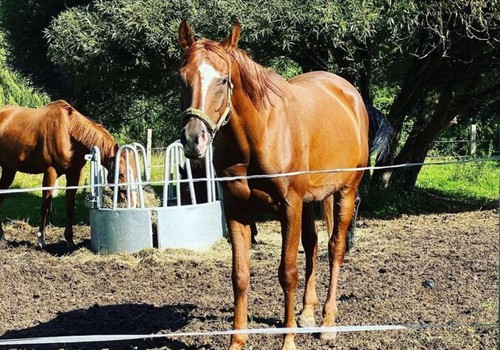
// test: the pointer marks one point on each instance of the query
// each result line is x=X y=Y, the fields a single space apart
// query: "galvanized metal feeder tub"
x=194 y=222
x=115 y=229
x=195 y=225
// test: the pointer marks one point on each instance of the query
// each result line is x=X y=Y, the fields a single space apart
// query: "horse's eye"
x=224 y=81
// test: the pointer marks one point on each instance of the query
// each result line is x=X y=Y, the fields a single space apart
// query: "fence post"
x=473 y=139
x=149 y=142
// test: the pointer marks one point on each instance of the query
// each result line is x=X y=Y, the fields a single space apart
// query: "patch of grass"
x=421 y=201
x=471 y=180
x=26 y=206
x=441 y=189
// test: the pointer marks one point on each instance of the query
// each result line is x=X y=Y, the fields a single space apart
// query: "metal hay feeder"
x=195 y=226
x=115 y=229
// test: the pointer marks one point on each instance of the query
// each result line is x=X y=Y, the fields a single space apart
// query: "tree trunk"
x=421 y=74
x=423 y=134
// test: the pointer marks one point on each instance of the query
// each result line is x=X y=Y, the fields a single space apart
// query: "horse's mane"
x=86 y=131
x=260 y=83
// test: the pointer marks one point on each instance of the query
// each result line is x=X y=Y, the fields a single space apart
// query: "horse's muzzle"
x=195 y=138
x=123 y=196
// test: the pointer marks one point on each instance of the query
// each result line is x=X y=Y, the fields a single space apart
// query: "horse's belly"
x=320 y=193
x=323 y=185
x=30 y=168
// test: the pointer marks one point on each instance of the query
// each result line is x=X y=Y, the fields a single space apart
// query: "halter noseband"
x=204 y=117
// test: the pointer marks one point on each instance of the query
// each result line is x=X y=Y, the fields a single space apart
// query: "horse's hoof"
x=41 y=240
x=42 y=245
x=306 y=321
x=328 y=336
x=238 y=343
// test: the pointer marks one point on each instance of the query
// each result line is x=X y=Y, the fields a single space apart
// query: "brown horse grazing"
x=53 y=140
x=266 y=125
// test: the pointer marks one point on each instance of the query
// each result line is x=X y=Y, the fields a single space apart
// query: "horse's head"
x=127 y=173
x=206 y=88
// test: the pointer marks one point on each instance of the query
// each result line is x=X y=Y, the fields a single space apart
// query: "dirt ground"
x=418 y=269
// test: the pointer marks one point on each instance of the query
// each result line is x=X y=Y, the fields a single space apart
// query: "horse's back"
x=333 y=111
x=31 y=137
x=334 y=125
x=332 y=91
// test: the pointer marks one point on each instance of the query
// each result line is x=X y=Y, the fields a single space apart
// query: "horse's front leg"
x=291 y=218
x=343 y=212
x=240 y=232
x=49 y=179
x=310 y=244
x=6 y=180
x=72 y=179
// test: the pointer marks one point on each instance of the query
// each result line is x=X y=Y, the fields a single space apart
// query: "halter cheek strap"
x=211 y=126
x=204 y=117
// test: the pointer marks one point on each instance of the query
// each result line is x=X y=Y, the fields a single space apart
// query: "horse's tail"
x=380 y=132
x=327 y=213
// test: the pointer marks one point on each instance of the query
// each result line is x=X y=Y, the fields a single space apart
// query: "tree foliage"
x=424 y=63
x=14 y=89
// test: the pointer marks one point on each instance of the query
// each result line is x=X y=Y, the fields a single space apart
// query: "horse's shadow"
x=56 y=249
x=61 y=248
x=112 y=319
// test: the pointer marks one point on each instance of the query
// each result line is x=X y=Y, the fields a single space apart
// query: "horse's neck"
x=242 y=133
x=108 y=154
x=90 y=134
x=251 y=108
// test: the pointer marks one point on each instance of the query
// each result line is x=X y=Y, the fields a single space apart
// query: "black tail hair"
x=380 y=133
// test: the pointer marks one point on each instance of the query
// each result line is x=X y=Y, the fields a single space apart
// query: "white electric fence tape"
x=268 y=331
x=260 y=176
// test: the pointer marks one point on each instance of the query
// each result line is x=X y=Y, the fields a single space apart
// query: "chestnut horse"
x=53 y=140
x=267 y=125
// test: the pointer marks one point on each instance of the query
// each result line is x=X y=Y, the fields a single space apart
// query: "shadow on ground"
x=111 y=319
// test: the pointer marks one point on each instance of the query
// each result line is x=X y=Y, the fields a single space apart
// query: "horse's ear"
x=231 y=41
x=186 y=36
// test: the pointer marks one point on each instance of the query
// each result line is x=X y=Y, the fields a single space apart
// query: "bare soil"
x=417 y=269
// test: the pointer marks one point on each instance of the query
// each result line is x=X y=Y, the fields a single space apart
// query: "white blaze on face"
x=207 y=73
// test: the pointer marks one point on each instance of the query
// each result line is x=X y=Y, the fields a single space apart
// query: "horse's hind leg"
x=49 y=179
x=6 y=180
x=352 y=225
x=343 y=212
x=72 y=179
x=310 y=244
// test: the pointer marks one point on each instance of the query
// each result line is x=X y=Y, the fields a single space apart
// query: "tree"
x=14 y=90
x=450 y=64
x=126 y=51
x=439 y=59
x=25 y=22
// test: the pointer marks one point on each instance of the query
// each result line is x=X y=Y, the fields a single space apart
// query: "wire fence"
x=262 y=331
x=494 y=158
x=460 y=148
x=311 y=330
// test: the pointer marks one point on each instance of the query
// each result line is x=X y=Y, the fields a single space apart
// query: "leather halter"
x=205 y=118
